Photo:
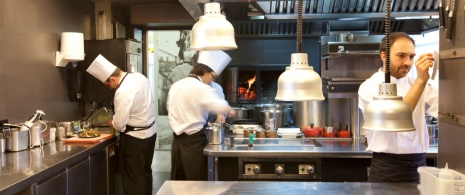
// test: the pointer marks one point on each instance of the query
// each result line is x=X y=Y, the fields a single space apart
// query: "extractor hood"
x=271 y=17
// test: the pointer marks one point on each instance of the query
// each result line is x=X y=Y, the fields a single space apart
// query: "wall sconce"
x=72 y=49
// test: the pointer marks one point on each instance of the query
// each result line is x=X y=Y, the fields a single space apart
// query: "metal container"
x=69 y=128
x=40 y=134
x=272 y=115
x=16 y=140
x=309 y=112
x=215 y=134
x=259 y=107
x=241 y=114
x=2 y=143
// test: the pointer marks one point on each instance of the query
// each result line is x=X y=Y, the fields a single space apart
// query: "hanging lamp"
x=387 y=111
x=213 y=31
x=299 y=82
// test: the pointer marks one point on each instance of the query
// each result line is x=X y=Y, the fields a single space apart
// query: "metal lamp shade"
x=388 y=112
x=213 y=31
x=299 y=82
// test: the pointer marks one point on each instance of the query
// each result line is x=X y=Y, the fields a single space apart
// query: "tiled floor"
x=161 y=167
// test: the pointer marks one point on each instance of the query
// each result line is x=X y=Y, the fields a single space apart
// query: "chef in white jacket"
x=135 y=120
x=189 y=103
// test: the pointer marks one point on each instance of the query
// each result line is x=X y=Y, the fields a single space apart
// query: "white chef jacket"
x=134 y=106
x=180 y=72
x=189 y=102
x=400 y=142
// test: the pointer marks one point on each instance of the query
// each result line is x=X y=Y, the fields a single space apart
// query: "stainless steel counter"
x=19 y=170
x=249 y=187
x=323 y=155
x=295 y=147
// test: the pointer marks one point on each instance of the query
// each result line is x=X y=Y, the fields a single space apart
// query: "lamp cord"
x=387 y=25
x=299 y=26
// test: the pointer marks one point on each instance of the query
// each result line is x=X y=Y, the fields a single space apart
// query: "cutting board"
x=102 y=137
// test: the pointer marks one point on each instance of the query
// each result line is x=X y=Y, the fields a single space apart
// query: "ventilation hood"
x=265 y=17
x=272 y=17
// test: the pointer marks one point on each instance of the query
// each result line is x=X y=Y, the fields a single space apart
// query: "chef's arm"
x=422 y=64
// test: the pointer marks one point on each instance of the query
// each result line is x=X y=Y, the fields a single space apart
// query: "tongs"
x=231 y=126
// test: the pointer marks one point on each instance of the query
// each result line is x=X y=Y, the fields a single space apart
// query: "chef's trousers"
x=396 y=168
x=134 y=164
x=187 y=159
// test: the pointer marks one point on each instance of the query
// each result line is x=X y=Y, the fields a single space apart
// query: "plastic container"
x=435 y=181
x=289 y=132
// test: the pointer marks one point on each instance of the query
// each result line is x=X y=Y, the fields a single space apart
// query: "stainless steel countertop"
x=19 y=170
x=295 y=147
x=281 y=187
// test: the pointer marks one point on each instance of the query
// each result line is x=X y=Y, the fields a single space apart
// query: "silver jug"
x=215 y=134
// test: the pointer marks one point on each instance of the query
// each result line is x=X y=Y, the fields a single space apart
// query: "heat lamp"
x=213 y=31
x=388 y=112
x=299 y=82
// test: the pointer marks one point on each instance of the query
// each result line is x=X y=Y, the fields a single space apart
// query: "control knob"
x=310 y=169
x=256 y=169
x=279 y=170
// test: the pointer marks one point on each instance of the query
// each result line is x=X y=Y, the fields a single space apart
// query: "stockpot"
x=260 y=107
x=241 y=114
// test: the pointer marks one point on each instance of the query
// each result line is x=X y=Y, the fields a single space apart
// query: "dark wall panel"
x=29 y=37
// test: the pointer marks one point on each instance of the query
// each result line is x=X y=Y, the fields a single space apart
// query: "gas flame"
x=251 y=81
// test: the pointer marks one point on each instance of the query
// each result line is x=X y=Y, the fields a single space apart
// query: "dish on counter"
x=89 y=133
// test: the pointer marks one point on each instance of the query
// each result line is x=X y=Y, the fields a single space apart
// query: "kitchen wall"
x=29 y=37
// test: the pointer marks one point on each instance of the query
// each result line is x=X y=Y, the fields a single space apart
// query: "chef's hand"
x=220 y=118
x=110 y=122
x=422 y=64
x=231 y=113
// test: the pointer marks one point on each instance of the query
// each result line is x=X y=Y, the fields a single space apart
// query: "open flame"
x=251 y=81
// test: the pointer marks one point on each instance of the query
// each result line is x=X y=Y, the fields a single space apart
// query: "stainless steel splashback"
x=451 y=147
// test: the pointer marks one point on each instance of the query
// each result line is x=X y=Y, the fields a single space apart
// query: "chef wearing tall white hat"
x=134 y=118
x=189 y=102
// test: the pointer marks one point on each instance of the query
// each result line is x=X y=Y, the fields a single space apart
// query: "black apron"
x=135 y=159
x=187 y=159
x=396 y=168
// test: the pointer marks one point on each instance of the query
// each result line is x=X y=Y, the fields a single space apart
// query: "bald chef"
x=190 y=100
x=135 y=120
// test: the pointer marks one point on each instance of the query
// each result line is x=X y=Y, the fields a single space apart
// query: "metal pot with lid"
x=260 y=107
x=241 y=114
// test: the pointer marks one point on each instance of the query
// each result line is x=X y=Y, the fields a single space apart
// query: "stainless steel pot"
x=275 y=115
x=241 y=114
x=260 y=107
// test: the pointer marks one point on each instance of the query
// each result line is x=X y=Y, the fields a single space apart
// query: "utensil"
x=450 y=19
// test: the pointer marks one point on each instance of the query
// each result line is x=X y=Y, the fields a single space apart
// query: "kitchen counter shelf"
x=21 y=170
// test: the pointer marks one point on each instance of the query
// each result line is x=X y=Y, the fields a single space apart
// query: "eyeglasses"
x=213 y=76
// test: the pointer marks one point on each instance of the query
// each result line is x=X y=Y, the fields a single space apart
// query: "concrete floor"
x=161 y=167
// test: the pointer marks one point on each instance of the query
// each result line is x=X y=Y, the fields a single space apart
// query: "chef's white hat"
x=216 y=60
x=101 y=68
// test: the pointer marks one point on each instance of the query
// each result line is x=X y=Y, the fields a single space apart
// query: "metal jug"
x=215 y=134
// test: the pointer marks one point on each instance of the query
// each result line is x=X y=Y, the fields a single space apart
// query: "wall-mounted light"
x=387 y=111
x=72 y=48
x=299 y=82
x=213 y=31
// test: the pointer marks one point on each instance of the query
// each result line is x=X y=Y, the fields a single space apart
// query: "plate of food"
x=89 y=133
